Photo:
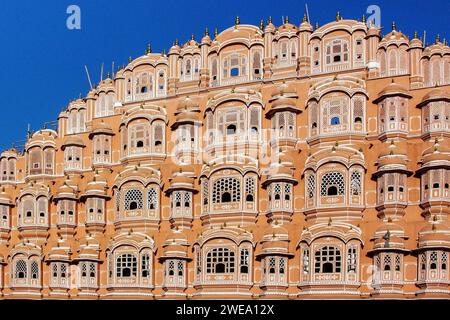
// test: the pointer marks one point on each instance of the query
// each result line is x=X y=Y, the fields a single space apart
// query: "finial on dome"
x=286 y=20
x=216 y=32
x=338 y=16
x=79 y=96
x=130 y=59
x=206 y=32
x=108 y=75
x=438 y=39
x=364 y=18
x=237 y=21
x=261 y=24
x=317 y=25
x=394 y=26
x=192 y=37
x=305 y=18
x=415 y=35
x=149 y=49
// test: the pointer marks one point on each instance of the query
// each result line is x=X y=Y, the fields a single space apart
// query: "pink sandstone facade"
x=285 y=162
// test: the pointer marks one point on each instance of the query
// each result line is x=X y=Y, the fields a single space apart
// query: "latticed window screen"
x=311 y=186
x=92 y=270
x=158 y=133
x=332 y=179
x=117 y=193
x=272 y=265
x=249 y=187
x=83 y=270
x=177 y=198
x=282 y=265
x=355 y=183
x=145 y=267
x=226 y=185
x=327 y=260
x=21 y=269
x=34 y=270
x=433 y=260
x=152 y=199
x=397 y=262
x=134 y=199
x=180 y=268
x=287 y=189
x=126 y=265
x=171 y=268
x=244 y=260
x=358 y=111
x=205 y=190
x=305 y=260
x=387 y=262
x=220 y=260
x=254 y=118
x=187 y=200
x=351 y=259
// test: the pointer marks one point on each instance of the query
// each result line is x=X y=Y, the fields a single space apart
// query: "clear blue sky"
x=42 y=61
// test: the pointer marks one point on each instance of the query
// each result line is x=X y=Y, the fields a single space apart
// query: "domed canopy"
x=393 y=158
x=175 y=246
x=436 y=156
x=101 y=128
x=394 y=37
x=435 y=95
x=61 y=252
x=392 y=90
x=436 y=234
x=65 y=191
x=96 y=188
x=388 y=237
x=181 y=181
x=274 y=242
x=73 y=141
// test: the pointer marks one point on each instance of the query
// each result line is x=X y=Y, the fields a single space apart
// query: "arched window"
x=21 y=269
x=328 y=260
x=355 y=183
x=34 y=270
x=226 y=189
x=332 y=184
x=152 y=199
x=126 y=265
x=145 y=267
x=133 y=199
x=244 y=260
x=311 y=187
x=220 y=260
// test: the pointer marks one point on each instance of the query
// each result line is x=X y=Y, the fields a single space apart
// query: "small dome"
x=65 y=191
x=391 y=90
x=101 y=128
x=435 y=95
x=73 y=141
x=275 y=241
x=434 y=234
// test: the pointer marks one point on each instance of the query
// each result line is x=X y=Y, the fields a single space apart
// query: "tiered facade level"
x=262 y=162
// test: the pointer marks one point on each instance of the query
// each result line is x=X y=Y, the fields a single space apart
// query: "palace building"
x=285 y=162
